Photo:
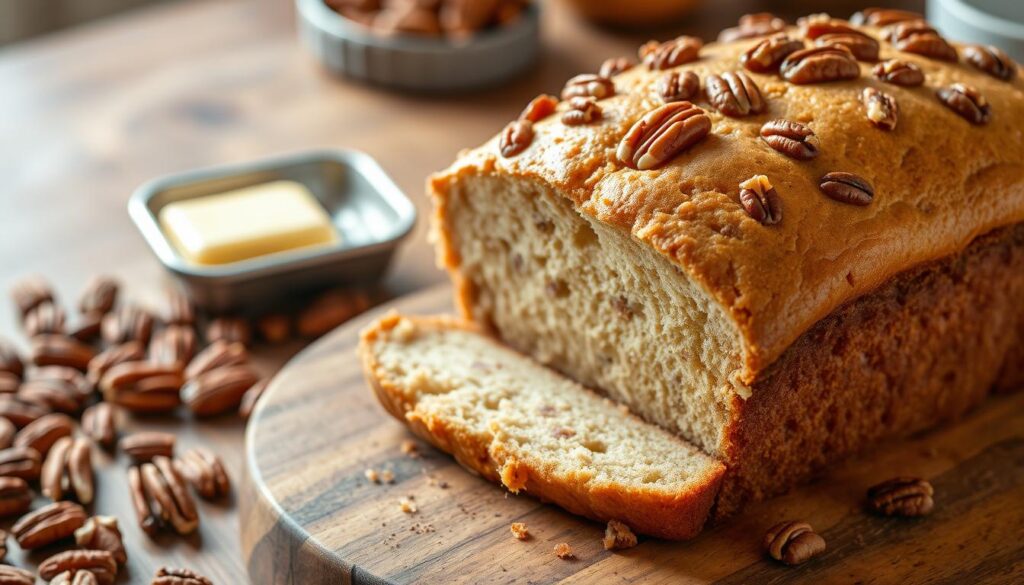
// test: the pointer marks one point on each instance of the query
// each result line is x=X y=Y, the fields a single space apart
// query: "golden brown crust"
x=671 y=516
x=922 y=349
x=939 y=183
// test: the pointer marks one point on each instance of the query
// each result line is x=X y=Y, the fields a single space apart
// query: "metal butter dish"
x=368 y=210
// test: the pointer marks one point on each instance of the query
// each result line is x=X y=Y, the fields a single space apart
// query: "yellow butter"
x=247 y=223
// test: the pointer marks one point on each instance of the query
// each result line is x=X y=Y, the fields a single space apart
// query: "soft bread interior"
x=522 y=424
x=589 y=300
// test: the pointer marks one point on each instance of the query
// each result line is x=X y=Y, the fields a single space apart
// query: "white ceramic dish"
x=989 y=22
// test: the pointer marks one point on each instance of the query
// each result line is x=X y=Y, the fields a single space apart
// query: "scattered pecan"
x=793 y=543
x=515 y=138
x=20 y=462
x=216 y=355
x=767 y=55
x=582 y=110
x=98 y=562
x=920 y=38
x=275 y=328
x=102 y=533
x=899 y=72
x=734 y=94
x=144 y=446
x=329 y=310
x=14 y=576
x=229 y=329
x=670 y=53
x=847 y=188
x=68 y=468
x=966 y=101
x=761 y=201
x=205 y=471
x=218 y=391
x=79 y=578
x=53 y=394
x=618 y=536
x=882 y=110
x=677 y=86
x=30 y=292
x=902 y=496
x=820 y=65
x=175 y=344
x=991 y=60
x=179 y=309
x=48 y=524
x=15 y=497
x=99 y=296
x=99 y=424
x=9 y=383
x=58 y=350
x=45 y=319
x=252 y=397
x=7 y=433
x=86 y=328
x=662 y=134
x=613 y=66
x=148 y=521
x=863 y=47
x=168 y=495
x=143 y=386
x=884 y=16
x=19 y=411
x=753 y=25
x=132 y=351
x=10 y=361
x=588 y=85
x=42 y=433
x=127 y=323
x=169 y=576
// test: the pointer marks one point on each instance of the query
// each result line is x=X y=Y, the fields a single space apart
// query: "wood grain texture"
x=309 y=511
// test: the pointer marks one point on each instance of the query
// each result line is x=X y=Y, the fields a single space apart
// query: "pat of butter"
x=246 y=223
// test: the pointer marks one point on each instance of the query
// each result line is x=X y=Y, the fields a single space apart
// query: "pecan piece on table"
x=677 y=86
x=10 y=361
x=230 y=329
x=902 y=496
x=99 y=296
x=179 y=309
x=75 y=578
x=899 y=72
x=48 y=524
x=20 y=412
x=99 y=423
x=767 y=55
x=734 y=94
x=46 y=318
x=148 y=521
x=882 y=110
x=42 y=433
x=9 y=383
x=967 y=102
x=991 y=60
x=761 y=201
x=30 y=292
x=74 y=380
x=672 y=53
x=143 y=386
x=847 y=188
x=86 y=328
x=171 y=576
x=613 y=66
x=167 y=495
x=252 y=398
x=753 y=25
x=68 y=469
x=216 y=355
x=275 y=328
x=582 y=110
x=15 y=576
x=132 y=351
x=98 y=562
x=205 y=471
x=7 y=433
x=20 y=462
x=515 y=138
x=102 y=533
x=218 y=391
x=884 y=16
x=820 y=65
x=127 y=323
x=589 y=85
x=145 y=445
x=15 y=497
x=792 y=139
x=331 y=309
x=662 y=134
x=793 y=543
x=60 y=350
x=175 y=344
x=53 y=394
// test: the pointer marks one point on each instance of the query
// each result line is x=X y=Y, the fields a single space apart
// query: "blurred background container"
x=21 y=19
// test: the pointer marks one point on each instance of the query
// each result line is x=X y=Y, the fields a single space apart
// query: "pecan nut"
x=899 y=72
x=169 y=576
x=15 y=576
x=588 y=85
x=41 y=434
x=7 y=433
x=132 y=351
x=515 y=138
x=99 y=424
x=920 y=38
x=175 y=344
x=662 y=134
x=127 y=323
x=15 y=496
x=902 y=496
x=672 y=53
x=966 y=101
x=539 y=108
x=734 y=94
x=75 y=381
x=884 y=16
x=53 y=394
x=791 y=139
x=230 y=329
x=48 y=524
x=102 y=533
x=205 y=471
x=252 y=398
x=820 y=65
x=98 y=562
x=167 y=495
x=793 y=543
x=79 y=578
x=68 y=469
x=847 y=188
x=767 y=55
x=10 y=361
x=863 y=47
x=30 y=292
x=216 y=355
x=143 y=386
x=753 y=25
x=9 y=383
x=19 y=411
x=179 y=309
x=275 y=328
x=146 y=445
x=86 y=328
x=991 y=60
x=329 y=310
x=218 y=391
x=148 y=521
x=582 y=110
x=678 y=86
x=613 y=66
x=59 y=350
x=45 y=319
x=20 y=462
x=882 y=110
x=761 y=201
x=99 y=296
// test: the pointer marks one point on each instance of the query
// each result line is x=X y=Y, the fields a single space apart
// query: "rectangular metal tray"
x=370 y=212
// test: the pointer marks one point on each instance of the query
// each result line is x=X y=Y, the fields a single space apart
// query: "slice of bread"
x=531 y=429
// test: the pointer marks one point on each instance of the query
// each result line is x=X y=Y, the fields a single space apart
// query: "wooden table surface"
x=88 y=115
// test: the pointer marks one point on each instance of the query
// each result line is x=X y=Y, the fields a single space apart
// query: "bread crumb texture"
x=618 y=536
x=564 y=551
x=520 y=531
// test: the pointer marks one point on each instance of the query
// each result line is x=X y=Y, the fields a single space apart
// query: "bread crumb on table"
x=408 y=506
x=520 y=531
x=411 y=449
x=387 y=476
x=618 y=536
x=372 y=475
x=564 y=551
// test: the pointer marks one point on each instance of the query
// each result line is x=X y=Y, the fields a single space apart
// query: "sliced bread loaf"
x=531 y=429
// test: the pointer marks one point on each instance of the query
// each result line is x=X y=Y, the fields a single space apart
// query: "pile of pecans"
x=434 y=18
x=109 y=360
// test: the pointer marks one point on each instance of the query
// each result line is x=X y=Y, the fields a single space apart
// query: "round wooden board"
x=309 y=515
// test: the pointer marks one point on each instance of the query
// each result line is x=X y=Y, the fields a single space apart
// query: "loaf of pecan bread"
x=784 y=246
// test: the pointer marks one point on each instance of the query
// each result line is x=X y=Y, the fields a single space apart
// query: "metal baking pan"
x=414 y=63
x=370 y=212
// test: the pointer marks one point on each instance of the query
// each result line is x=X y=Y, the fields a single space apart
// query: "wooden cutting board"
x=309 y=515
